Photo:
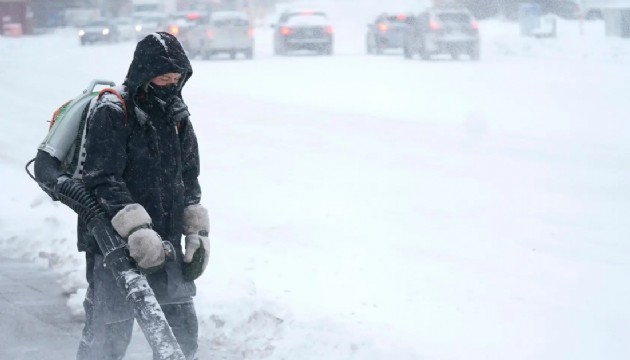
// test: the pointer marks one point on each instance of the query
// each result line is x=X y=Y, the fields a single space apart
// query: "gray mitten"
x=133 y=224
x=197 y=248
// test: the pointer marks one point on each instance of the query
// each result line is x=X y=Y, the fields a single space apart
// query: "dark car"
x=303 y=30
x=452 y=31
x=101 y=30
x=386 y=32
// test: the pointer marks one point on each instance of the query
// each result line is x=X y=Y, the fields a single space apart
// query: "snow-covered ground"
x=371 y=207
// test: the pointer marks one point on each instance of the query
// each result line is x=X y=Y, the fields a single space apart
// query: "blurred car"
x=126 y=28
x=303 y=30
x=181 y=23
x=146 y=25
x=99 y=30
x=228 y=32
x=386 y=32
x=451 y=31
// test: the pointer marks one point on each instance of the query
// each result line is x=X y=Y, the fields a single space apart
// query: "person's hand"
x=145 y=246
x=133 y=224
x=177 y=109
x=197 y=244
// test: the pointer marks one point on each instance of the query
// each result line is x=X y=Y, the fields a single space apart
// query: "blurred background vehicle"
x=99 y=30
x=577 y=9
x=148 y=8
x=436 y=31
x=228 y=32
x=386 y=32
x=179 y=24
x=303 y=30
x=126 y=28
x=149 y=24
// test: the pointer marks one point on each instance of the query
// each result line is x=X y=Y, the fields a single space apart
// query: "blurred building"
x=16 y=17
x=616 y=15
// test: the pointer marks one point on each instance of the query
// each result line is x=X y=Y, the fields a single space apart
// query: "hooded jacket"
x=137 y=152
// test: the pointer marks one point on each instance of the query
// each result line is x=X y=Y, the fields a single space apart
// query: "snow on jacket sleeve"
x=190 y=166
x=106 y=158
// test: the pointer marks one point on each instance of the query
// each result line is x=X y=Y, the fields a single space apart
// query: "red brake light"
x=250 y=32
x=382 y=27
x=434 y=25
x=329 y=30
x=210 y=34
x=474 y=25
x=193 y=16
x=285 y=30
x=401 y=17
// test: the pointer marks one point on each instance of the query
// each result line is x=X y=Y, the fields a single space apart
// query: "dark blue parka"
x=138 y=153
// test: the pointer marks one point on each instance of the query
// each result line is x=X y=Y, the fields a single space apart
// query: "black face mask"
x=164 y=93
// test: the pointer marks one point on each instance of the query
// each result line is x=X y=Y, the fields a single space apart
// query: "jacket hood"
x=158 y=53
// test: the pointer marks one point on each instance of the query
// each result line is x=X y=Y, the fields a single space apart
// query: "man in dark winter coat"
x=142 y=164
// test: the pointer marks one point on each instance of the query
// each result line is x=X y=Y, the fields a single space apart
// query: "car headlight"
x=81 y=32
x=105 y=31
x=138 y=28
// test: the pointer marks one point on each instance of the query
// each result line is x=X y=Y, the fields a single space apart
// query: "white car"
x=226 y=32
x=303 y=29
x=126 y=29
x=149 y=24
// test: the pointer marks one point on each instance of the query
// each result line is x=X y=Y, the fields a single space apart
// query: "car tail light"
x=435 y=25
x=308 y=13
x=210 y=34
x=401 y=17
x=250 y=32
x=382 y=27
x=193 y=16
x=174 y=30
x=285 y=30
x=474 y=25
x=329 y=30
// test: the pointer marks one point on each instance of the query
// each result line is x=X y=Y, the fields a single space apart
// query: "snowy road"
x=36 y=322
x=377 y=208
x=34 y=315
